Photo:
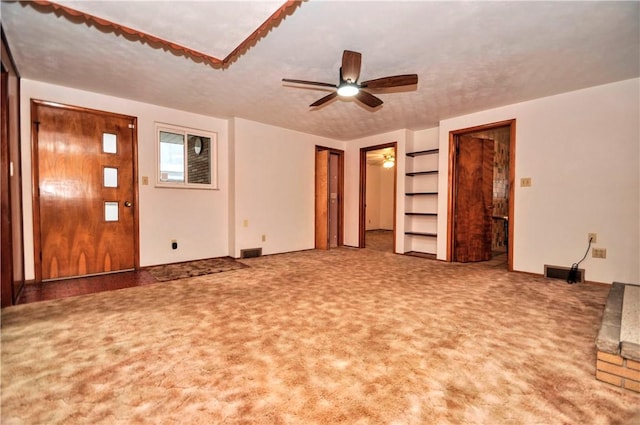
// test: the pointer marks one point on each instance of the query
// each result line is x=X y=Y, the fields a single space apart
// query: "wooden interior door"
x=6 y=253
x=12 y=245
x=474 y=199
x=334 y=210
x=322 y=199
x=86 y=199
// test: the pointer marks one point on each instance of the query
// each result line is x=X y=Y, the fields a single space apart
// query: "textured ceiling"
x=469 y=56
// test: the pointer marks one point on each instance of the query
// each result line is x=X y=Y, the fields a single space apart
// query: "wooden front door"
x=474 y=199
x=86 y=192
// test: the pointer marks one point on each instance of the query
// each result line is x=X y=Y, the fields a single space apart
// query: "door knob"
x=127 y=204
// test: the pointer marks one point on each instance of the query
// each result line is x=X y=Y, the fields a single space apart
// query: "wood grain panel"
x=334 y=204
x=322 y=199
x=474 y=199
x=6 y=254
x=75 y=239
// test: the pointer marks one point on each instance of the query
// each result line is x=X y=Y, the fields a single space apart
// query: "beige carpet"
x=174 y=271
x=379 y=240
x=346 y=336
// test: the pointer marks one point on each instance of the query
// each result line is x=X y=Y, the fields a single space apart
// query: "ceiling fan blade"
x=324 y=100
x=368 y=99
x=351 y=62
x=310 y=83
x=394 y=81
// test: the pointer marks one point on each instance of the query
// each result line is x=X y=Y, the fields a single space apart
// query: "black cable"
x=573 y=273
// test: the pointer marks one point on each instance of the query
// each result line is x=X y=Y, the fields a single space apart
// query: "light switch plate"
x=599 y=253
x=525 y=182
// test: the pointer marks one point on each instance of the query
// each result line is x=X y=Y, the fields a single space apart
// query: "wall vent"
x=250 y=252
x=559 y=272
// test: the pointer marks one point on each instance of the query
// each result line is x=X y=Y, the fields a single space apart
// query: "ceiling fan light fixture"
x=348 y=90
x=389 y=161
x=348 y=83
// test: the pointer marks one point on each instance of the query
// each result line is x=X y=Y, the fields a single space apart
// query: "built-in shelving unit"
x=421 y=203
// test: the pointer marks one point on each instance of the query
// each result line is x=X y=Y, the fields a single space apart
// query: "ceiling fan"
x=384 y=157
x=349 y=86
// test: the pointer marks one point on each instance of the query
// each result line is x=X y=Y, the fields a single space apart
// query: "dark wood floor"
x=84 y=285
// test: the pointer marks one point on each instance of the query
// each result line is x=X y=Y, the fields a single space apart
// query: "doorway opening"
x=329 y=195
x=378 y=197
x=481 y=194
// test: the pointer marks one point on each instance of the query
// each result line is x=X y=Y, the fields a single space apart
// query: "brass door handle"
x=127 y=204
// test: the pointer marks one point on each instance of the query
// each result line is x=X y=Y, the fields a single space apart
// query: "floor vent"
x=250 y=252
x=559 y=272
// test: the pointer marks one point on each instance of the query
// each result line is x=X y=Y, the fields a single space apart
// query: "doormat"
x=186 y=269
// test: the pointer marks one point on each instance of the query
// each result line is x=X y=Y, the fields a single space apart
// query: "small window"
x=109 y=143
x=186 y=157
x=111 y=211
x=110 y=177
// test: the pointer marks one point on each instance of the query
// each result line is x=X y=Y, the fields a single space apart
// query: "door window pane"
x=110 y=177
x=110 y=211
x=109 y=143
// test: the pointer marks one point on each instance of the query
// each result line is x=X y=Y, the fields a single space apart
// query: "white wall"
x=582 y=152
x=386 y=197
x=274 y=187
x=425 y=139
x=379 y=197
x=373 y=198
x=197 y=219
x=581 y=149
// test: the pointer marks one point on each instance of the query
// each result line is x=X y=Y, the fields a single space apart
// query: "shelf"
x=421 y=173
x=421 y=242
x=419 y=153
x=430 y=235
x=428 y=255
x=420 y=193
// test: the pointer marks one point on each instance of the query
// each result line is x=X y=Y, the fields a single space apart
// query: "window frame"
x=186 y=132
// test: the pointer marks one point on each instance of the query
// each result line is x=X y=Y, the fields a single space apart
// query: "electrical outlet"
x=525 y=182
x=593 y=237
x=245 y=223
x=264 y=238
x=599 y=253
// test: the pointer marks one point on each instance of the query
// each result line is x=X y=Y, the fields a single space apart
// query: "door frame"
x=12 y=241
x=340 y=154
x=6 y=275
x=362 y=221
x=451 y=204
x=35 y=179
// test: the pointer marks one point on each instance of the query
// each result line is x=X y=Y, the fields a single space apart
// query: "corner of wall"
x=231 y=130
